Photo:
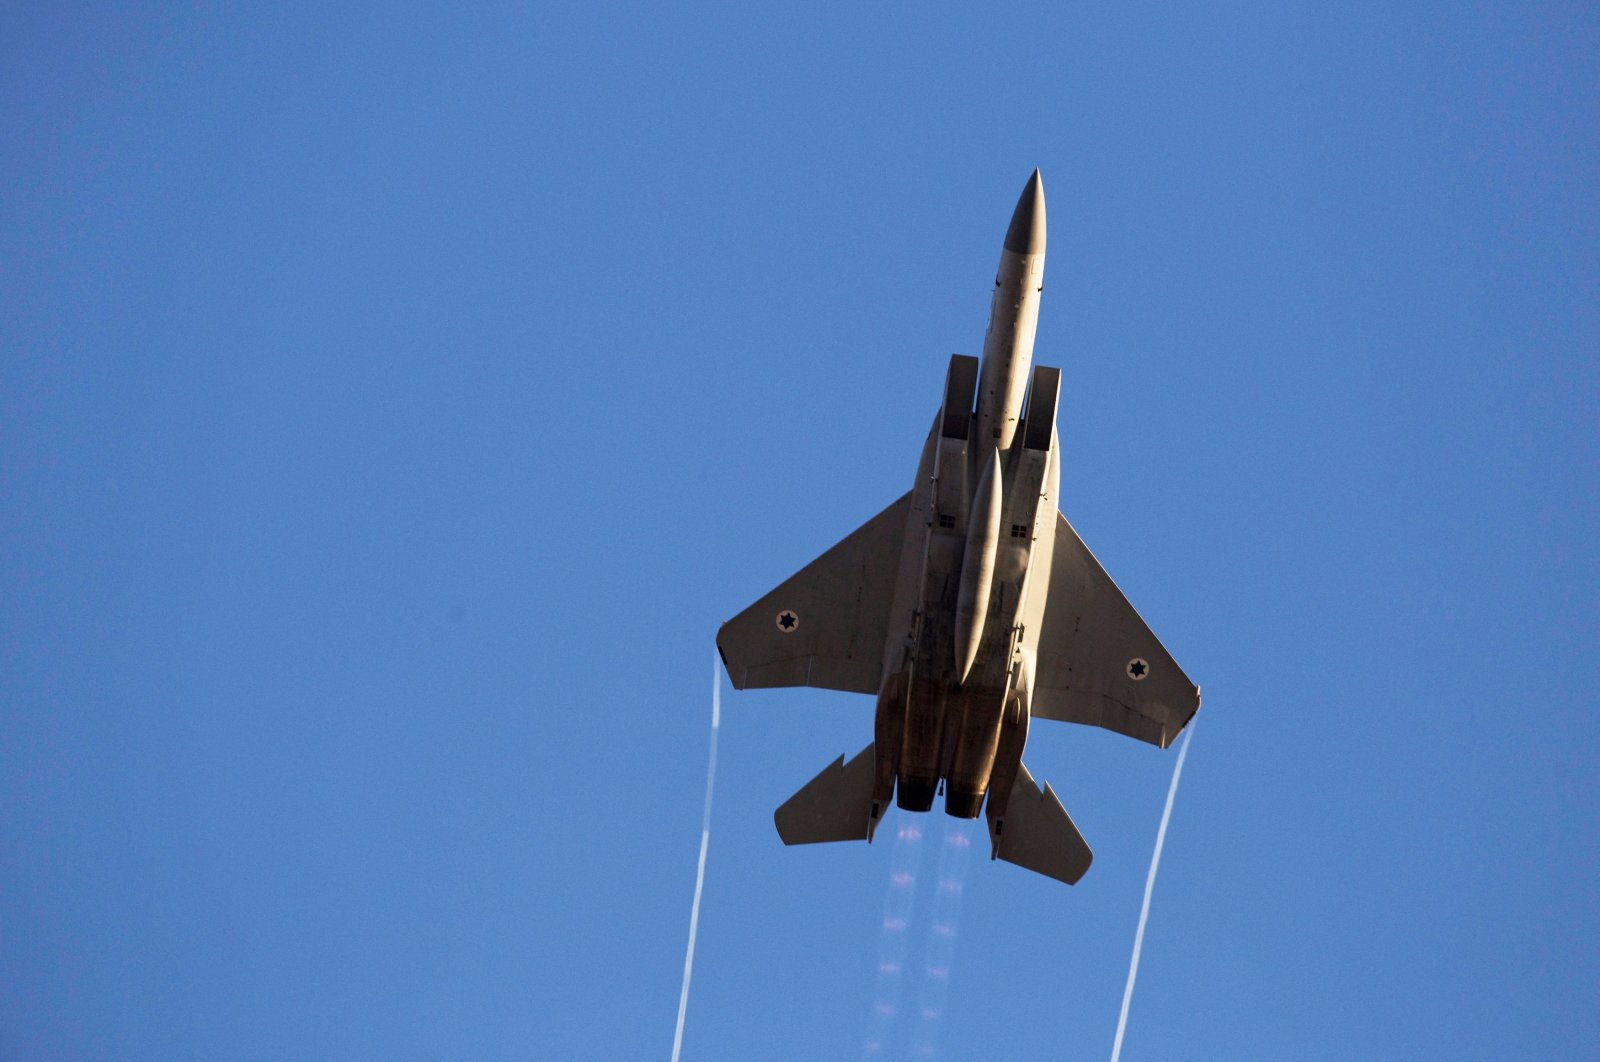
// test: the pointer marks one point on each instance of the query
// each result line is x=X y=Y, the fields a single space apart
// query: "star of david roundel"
x=788 y=622
x=1138 y=669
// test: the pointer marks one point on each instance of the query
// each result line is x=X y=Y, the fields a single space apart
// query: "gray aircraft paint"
x=968 y=607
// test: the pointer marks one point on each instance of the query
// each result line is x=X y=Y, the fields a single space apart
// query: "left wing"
x=825 y=625
x=1099 y=664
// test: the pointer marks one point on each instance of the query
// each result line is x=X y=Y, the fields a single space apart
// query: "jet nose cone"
x=1026 y=234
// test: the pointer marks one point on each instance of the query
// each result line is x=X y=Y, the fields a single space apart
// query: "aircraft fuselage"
x=953 y=705
x=969 y=605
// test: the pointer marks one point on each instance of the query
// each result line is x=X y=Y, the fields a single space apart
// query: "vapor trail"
x=899 y=899
x=940 y=947
x=1149 y=887
x=705 y=839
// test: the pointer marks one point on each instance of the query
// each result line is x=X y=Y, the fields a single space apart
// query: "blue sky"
x=395 y=399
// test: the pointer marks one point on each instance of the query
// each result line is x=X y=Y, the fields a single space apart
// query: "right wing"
x=1098 y=663
x=825 y=625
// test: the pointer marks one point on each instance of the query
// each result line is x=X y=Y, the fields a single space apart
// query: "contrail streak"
x=705 y=839
x=1149 y=887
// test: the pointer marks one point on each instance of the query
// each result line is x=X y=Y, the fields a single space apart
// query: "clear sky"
x=393 y=400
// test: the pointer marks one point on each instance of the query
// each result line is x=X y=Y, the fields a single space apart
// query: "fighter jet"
x=969 y=607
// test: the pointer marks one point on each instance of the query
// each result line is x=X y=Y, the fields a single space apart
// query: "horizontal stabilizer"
x=1038 y=834
x=836 y=805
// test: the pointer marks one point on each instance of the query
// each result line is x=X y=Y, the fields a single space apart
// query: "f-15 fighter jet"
x=969 y=607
